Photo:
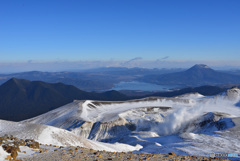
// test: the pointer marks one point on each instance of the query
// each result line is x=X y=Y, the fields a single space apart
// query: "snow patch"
x=3 y=154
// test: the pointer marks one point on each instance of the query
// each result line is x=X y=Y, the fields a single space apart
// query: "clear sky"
x=105 y=30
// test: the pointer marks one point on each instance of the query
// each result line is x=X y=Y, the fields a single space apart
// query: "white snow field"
x=191 y=124
x=51 y=135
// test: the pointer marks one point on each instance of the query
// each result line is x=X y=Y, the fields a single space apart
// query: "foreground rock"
x=12 y=145
x=76 y=154
x=35 y=151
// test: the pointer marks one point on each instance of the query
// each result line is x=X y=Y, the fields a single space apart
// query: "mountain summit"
x=200 y=71
x=197 y=75
x=200 y=67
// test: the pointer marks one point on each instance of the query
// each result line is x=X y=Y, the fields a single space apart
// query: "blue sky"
x=120 y=30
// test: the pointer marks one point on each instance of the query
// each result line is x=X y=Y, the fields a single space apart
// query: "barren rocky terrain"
x=31 y=150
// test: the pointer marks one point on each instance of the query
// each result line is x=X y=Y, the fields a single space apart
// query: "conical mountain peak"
x=200 y=66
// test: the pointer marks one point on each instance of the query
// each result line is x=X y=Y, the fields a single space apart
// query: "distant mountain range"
x=197 y=75
x=89 y=80
x=21 y=99
x=101 y=79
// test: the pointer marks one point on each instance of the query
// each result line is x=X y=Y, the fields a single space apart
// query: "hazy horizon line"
x=66 y=65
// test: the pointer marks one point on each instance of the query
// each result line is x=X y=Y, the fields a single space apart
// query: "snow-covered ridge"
x=108 y=111
x=101 y=120
x=93 y=111
x=158 y=124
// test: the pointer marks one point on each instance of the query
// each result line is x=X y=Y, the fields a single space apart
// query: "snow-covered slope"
x=51 y=135
x=184 y=124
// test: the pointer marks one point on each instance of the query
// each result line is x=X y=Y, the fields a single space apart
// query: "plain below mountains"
x=22 y=99
x=197 y=75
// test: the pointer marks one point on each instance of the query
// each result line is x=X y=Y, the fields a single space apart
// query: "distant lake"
x=134 y=85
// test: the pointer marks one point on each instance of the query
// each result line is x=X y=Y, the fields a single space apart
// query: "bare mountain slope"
x=22 y=99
